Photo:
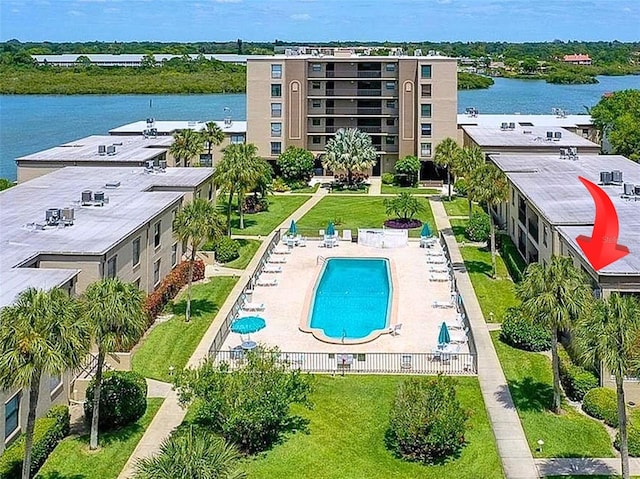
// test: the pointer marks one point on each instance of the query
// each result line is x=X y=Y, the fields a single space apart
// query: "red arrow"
x=602 y=248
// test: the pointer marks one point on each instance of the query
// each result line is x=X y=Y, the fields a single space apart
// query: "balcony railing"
x=354 y=74
x=352 y=92
x=367 y=129
x=352 y=111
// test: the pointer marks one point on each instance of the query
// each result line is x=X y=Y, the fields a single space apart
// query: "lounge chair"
x=436 y=260
x=438 y=277
x=302 y=242
x=277 y=260
x=442 y=304
x=393 y=330
x=427 y=241
x=405 y=361
x=330 y=241
x=321 y=233
x=272 y=269
x=459 y=337
x=434 y=253
x=282 y=250
x=266 y=282
x=438 y=269
x=346 y=235
x=253 y=306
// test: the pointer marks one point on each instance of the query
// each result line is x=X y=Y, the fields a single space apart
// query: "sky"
x=319 y=20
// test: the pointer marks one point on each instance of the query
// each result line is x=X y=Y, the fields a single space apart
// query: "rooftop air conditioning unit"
x=512 y=126
x=111 y=150
x=417 y=52
x=150 y=122
x=504 y=125
x=616 y=176
x=163 y=165
x=52 y=216
x=527 y=132
x=557 y=135
x=87 y=197
x=636 y=190
x=549 y=135
x=563 y=153
x=605 y=177
x=112 y=184
x=98 y=198
x=149 y=165
x=102 y=150
x=68 y=216
x=628 y=189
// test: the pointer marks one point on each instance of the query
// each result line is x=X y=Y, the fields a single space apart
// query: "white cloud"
x=300 y=17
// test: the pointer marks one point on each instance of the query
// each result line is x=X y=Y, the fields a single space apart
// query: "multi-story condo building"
x=77 y=225
x=406 y=103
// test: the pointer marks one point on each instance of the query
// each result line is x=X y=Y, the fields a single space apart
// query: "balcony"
x=354 y=74
x=353 y=92
x=352 y=111
x=376 y=130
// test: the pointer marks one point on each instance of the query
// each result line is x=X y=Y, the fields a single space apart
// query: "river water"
x=30 y=123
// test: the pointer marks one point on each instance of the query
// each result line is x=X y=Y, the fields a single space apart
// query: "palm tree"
x=186 y=144
x=192 y=454
x=487 y=184
x=41 y=334
x=195 y=223
x=466 y=162
x=554 y=295
x=238 y=172
x=212 y=135
x=446 y=156
x=609 y=337
x=349 y=150
x=114 y=310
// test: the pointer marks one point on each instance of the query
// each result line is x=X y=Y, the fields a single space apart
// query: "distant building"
x=577 y=59
x=127 y=59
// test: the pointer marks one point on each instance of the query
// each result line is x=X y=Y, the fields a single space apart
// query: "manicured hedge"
x=170 y=286
x=123 y=399
x=478 y=228
x=576 y=380
x=602 y=403
x=226 y=249
x=48 y=432
x=522 y=333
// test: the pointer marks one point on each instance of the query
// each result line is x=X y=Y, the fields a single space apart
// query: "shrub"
x=404 y=205
x=254 y=204
x=522 y=333
x=576 y=380
x=48 y=432
x=387 y=178
x=279 y=185
x=296 y=164
x=408 y=169
x=427 y=422
x=249 y=406
x=633 y=440
x=123 y=399
x=226 y=249
x=478 y=228
x=461 y=186
x=170 y=286
x=602 y=403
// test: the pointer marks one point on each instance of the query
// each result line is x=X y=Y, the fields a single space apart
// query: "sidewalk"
x=375 y=186
x=517 y=460
x=170 y=415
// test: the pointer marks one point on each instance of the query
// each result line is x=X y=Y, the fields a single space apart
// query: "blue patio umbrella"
x=426 y=231
x=331 y=230
x=293 y=228
x=444 y=337
x=248 y=325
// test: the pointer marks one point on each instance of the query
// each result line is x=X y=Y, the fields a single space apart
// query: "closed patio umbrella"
x=444 y=338
x=426 y=231
x=331 y=230
x=293 y=228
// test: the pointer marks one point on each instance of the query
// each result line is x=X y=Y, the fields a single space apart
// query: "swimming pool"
x=352 y=299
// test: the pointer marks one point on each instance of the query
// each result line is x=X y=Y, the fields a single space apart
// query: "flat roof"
x=495 y=120
x=552 y=187
x=95 y=230
x=350 y=57
x=166 y=127
x=529 y=136
x=134 y=149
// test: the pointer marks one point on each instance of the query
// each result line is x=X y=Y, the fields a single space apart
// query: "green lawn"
x=248 y=248
x=280 y=207
x=394 y=190
x=459 y=226
x=345 y=437
x=72 y=459
x=347 y=191
x=494 y=295
x=173 y=342
x=354 y=213
x=569 y=434
x=458 y=206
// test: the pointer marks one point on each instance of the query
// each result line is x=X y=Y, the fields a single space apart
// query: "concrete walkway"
x=517 y=460
x=158 y=389
x=170 y=415
x=375 y=186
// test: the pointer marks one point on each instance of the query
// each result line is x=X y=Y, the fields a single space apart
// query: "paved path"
x=375 y=186
x=170 y=415
x=585 y=466
x=158 y=389
x=517 y=460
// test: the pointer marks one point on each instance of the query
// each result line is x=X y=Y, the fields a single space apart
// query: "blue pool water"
x=352 y=297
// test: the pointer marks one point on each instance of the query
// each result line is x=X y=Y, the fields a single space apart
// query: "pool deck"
x=286 y=303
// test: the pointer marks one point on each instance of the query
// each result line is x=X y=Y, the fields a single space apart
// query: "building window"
x=425 y=149
x=174 y=254
x=513 y=226
x=156 y=234
x=210 y=195
x=276 y=71
x=316 y=140
x=425 y=129
x=391 y=104
x=276 y=110
x=391 y=121
x=545 y=235
x=276 y=89
x=316 y=67
x=513 y=197
x=315 y=121
x=136 y=251
x=390 y=85
x=390 y=67
x=156 y=273
x=425 y=110
x=11 y=415
x=276 y=129
x=316 y=104
x=276 y=148
x=425 y=91
x=390 y=140
x=315 y=85
x=54 y=383
x=111 y=267
x=425 y=71
x=237 y=139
